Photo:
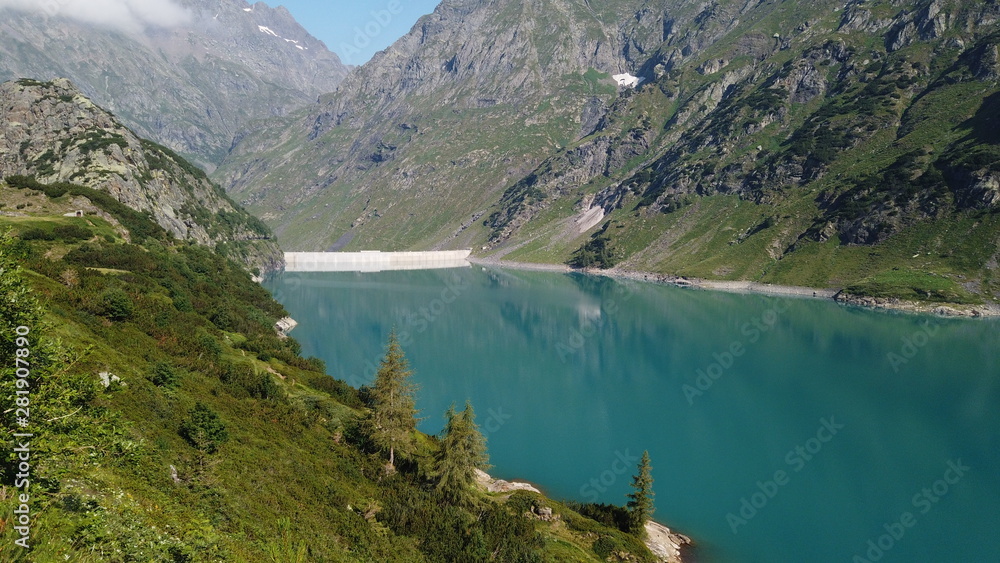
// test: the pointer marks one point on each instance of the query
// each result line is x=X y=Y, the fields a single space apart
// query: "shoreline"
x=667 y=545
x=987 y=310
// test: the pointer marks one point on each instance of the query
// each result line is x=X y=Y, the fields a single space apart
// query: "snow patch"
x=590 y=218
x=292 y=41
x=247 y=9
x=627 y=80
x=267 y=30
x=301 y=47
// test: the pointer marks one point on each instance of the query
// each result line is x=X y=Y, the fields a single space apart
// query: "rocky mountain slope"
x=822 y=144
x=476 y=95
x=51 y=132
x=190 y=84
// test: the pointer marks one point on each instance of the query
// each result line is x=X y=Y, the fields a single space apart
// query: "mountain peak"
x=191 y=86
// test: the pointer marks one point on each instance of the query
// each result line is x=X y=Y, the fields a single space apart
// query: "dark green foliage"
x=393 y=417
x=494 y=533
x=18 y=306
x=338 y=389
x=67 y=233
x=163 y=375
x=596 y=252
x=605 y=546
x=128 y=257
x=203 y=429
x=610 y=515
x=117 y=305
x=243 y=380
x=640 y=504
x=72 y=233
x=520 y=195
x=30 y=82
x=160 y=158
x=140 y=225
x=463 y=450
x=96 y=140
x=36 y=233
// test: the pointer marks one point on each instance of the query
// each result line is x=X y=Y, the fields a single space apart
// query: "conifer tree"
x=463 y=450
x=392 y=420
x=640 y=504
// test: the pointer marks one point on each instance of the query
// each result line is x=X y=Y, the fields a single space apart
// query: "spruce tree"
x=640 y=504
x=392 y=420
x=463 y=450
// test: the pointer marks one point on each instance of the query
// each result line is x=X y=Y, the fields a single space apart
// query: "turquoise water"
x=779 y=429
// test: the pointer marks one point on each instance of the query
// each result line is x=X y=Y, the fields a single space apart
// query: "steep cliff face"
x=733 y=139
x=862 y=126
x=473 y=97
x=51 y=131
x=190 y=85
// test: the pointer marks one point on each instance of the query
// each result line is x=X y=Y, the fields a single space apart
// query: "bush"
x=163 y=375
x=117 y=305
x=35 y=233
x=72 y=233
x=203 y=429
x=605 y=546
x=243 y=380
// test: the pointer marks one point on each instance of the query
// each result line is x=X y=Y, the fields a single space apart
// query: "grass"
x=292 y=482
x=912 y=284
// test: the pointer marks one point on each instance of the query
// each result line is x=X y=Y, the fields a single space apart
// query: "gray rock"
x=53 y=132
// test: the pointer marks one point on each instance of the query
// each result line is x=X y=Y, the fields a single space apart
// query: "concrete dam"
x=375 y=261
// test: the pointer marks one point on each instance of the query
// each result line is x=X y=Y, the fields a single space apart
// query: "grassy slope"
x=292 y=482
x=951 y=258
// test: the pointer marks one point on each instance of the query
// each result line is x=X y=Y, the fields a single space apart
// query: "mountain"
x=474 y=97
x=190 y=83
x=51 y=133
x=822 y=144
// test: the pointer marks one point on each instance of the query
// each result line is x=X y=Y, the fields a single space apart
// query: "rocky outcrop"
x=668 y=546
x=894 y=304
x=51 y=131
x=285 y=325
x=492 y=485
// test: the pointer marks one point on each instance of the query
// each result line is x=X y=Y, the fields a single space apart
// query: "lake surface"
x=779 y=429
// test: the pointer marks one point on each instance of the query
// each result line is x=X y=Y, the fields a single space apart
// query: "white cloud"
x=126 y=15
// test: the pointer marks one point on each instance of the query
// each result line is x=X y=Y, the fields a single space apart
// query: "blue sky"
x=356 y=30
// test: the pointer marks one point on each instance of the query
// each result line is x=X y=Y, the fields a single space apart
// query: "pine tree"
x=640 y=504
x=463 y=450
x=392 y=420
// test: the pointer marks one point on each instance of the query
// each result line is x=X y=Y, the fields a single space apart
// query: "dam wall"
x=375 y=261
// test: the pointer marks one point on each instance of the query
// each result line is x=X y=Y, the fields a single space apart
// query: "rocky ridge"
x=190 y=86
x=772 y=142
x=52 y=132
x=524 y=76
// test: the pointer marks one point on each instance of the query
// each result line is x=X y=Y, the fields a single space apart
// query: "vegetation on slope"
x=831 y=157
x=169 y=421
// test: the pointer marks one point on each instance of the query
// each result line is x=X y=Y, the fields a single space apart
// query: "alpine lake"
x=779 y=429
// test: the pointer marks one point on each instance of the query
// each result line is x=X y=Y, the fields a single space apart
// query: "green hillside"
x=170 y=422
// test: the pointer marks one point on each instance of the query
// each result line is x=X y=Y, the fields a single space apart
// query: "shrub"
x=163 y=375
x=35 y=233
x=117 y=305
x=203 y=429
x=243 y=379
x=72 y=233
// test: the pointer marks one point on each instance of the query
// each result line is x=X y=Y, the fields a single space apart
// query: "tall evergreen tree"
x=393 y=418
x=463 y=450
x=640 y=503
